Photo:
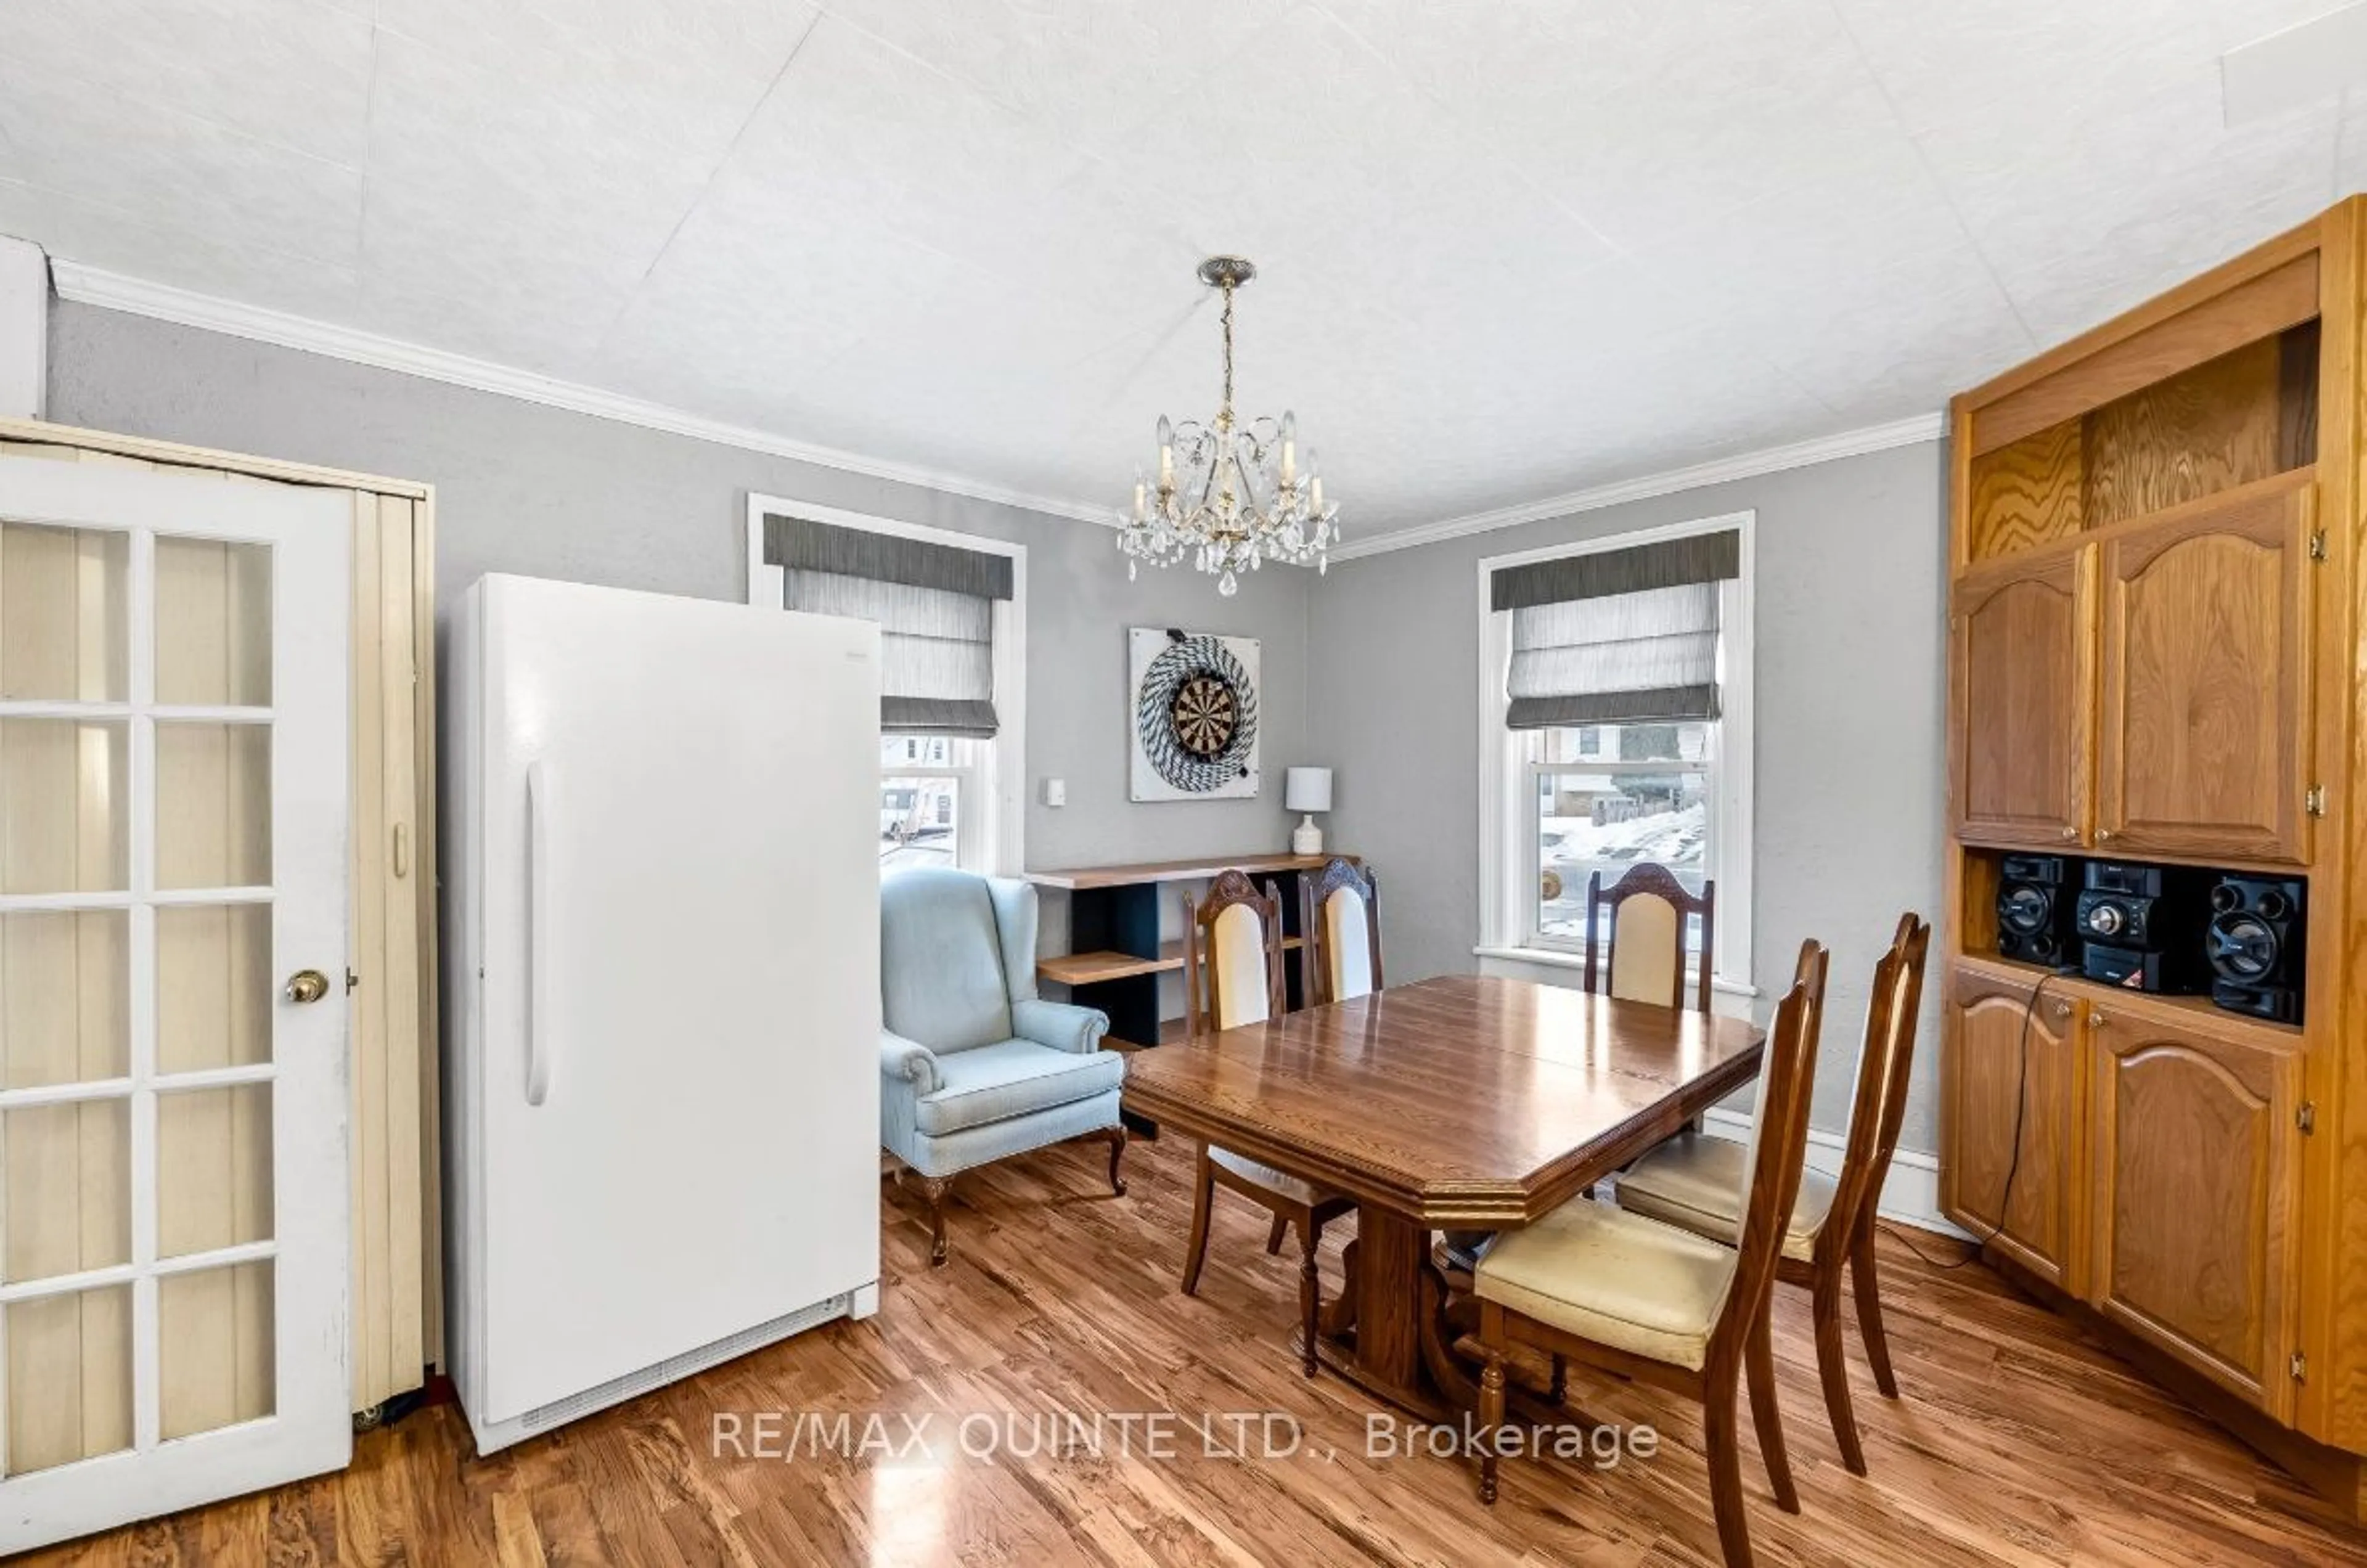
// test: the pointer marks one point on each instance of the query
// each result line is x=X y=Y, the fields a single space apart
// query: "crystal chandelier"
x=1230 y=494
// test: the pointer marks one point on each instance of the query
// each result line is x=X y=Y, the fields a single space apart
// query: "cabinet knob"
x=2062 y=1009
x=2070 y=835
x=2102 y=834
x=2095 y=1020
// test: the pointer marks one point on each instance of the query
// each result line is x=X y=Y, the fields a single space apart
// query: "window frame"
x=993 y=802
x=1509 y=845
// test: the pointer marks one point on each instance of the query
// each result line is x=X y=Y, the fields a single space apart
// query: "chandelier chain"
x=1227 y=407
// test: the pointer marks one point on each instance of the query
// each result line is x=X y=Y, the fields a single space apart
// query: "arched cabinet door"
x=2196 y=1191
x=2022 y=682
x=2204 y=743
x=2009 y=1124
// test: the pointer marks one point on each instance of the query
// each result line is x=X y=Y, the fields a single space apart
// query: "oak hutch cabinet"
x=2153 y=625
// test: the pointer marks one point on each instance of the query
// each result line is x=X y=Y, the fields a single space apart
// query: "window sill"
x=1555 y=958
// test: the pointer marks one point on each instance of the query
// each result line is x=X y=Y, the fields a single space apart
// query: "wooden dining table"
x=1465 y=1102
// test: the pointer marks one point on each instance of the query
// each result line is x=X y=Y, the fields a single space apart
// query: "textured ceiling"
x=1506 y=250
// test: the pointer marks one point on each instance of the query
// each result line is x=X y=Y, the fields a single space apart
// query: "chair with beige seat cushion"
x=1644 y=960
x=1340 y=915
x=1696 y=1183
x=1232 y=945
x=1599 y=1286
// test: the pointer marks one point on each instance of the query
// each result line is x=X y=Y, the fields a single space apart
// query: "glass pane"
x=213 y=621
x=213 y=805
x=213 y=1169
x=1687 y=742
x=65 y=794
x=920 y=821
x=64 y=636
x=1606 y=822
x=905 y=753
x=69 y=1377
x=68 y=1199
x=213 y=987
x=215 y=1348
x=64 y=996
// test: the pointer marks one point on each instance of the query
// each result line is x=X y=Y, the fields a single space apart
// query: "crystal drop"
x=1129 y=568
x=1226 y=586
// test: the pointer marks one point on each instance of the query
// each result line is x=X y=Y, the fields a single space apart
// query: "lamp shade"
x=1307 y=789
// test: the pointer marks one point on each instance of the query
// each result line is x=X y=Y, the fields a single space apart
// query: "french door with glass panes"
x=173 y=1219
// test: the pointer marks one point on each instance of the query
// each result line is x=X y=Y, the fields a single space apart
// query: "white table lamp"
x=1307 y=789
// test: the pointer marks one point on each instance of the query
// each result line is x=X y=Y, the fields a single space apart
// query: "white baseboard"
x=1910 y=1196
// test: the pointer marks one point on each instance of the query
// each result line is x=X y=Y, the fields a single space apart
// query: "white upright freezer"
x=662 y=938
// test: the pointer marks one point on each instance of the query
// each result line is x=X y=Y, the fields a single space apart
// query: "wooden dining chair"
x=1600 y=1286
x=1232 y=943
x=1340 y=925
x=1694 y=1181
x=1644 y=960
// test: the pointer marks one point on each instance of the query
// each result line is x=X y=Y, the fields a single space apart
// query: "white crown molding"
x=114 y=291
x=1718 y=470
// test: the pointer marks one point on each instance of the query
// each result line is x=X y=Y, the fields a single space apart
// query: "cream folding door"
x=174 y=1223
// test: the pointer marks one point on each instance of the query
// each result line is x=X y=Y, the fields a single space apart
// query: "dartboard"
x=1196 y=717
x=1204 y=715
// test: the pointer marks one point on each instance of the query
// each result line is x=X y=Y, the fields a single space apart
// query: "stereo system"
x=2165 y=928
x=2142 y=926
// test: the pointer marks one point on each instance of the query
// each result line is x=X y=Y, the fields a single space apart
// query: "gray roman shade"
x=1620 y=637
x=934 y=606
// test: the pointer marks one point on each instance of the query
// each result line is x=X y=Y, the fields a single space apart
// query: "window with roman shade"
x=1616 y=636
x=934 y=606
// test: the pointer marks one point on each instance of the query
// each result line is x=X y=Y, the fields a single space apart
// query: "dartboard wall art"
x=1195 y=715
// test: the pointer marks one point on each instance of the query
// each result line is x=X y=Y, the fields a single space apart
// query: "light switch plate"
x=1056 y=792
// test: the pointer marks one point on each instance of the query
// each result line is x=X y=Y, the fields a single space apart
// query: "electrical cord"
x=2020 y=1116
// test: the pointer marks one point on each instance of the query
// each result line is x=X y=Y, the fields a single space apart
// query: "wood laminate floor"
x=2016 y=1442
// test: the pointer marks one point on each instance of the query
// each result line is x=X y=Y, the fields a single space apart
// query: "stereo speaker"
x=2254 y=945
x=2033 y=909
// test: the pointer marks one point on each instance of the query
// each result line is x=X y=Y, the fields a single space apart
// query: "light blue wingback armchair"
x=973 y=1065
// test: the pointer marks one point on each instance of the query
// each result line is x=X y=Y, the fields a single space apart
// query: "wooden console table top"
x=1176 y=870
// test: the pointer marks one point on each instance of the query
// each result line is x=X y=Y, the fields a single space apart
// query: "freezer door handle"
x=538 y=910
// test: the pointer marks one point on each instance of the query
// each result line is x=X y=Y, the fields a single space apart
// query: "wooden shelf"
x=1176 y=870
x=1171 y=1031
x=2200 y=1011
x=1092 y=968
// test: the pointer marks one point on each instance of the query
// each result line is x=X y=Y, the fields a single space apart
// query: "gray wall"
x=1850 y=630
x=521 y=488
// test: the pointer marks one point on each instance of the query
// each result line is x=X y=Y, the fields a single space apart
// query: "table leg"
x=1374 y=1333
x=1391 y=1254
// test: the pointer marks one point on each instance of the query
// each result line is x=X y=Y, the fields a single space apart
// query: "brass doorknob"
x=307 y=986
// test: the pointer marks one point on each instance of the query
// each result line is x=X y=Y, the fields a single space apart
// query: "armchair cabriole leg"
x=1117 y=1137
x=934 y=1187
